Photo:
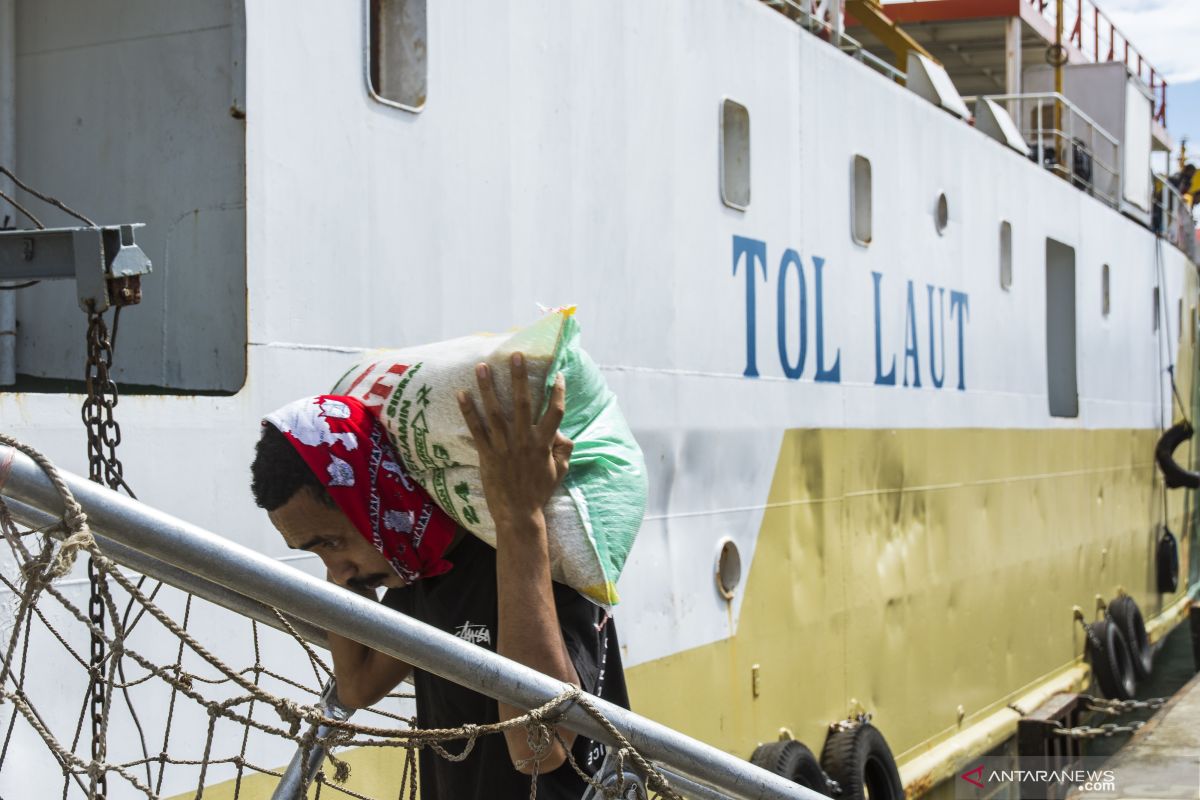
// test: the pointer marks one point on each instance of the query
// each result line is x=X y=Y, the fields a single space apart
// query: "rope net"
x=167 y=675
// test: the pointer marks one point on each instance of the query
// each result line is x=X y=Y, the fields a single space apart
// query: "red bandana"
x=348 y=450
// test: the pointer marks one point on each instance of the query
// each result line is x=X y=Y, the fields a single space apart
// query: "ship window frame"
x=734 y=132
x=416 y=36
x=860 y=200
x=1105 y=290
x=1005 y=255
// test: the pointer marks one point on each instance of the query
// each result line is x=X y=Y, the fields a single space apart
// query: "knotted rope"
x=38 y=573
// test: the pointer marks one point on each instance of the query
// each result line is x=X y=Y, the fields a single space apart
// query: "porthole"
x=941 y=213
x=728 y=568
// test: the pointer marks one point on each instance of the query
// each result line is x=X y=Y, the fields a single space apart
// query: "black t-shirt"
x=463 y=602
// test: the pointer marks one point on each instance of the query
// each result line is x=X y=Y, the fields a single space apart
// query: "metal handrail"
x=179 y=578
x=853 y=48
x=799 y=12
x=1052 y=145
x=1088 y=29
x=1062 y=99
x=321 y=604
x=306 y=762
x=1174 y=218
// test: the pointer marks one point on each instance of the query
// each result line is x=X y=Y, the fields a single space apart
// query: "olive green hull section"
x=374 y=772
x=929 y=604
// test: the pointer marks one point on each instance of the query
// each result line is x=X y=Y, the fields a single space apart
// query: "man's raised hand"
x=521 y=461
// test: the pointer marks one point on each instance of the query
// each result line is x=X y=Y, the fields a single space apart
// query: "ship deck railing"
x=1066 y=141
x=808 y=14
x=1096 y=38
x=253 y=584
x=1173 y=219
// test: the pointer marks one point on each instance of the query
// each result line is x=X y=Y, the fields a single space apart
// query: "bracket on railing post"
x=305 y=764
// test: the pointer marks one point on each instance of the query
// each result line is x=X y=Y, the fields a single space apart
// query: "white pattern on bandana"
x=392 y=468
x=335 y=408
x=340 y=473
x=373 y=504
x=312 y=429
x=399 y=521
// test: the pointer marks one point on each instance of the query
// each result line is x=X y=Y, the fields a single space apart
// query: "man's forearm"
x=349 y=658
x=529 y=630
x=521 y=461
x=364 y=676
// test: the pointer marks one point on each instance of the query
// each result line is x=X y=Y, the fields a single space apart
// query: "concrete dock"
x=1162 y=760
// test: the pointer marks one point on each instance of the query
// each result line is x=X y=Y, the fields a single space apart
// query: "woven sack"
x=593 y=517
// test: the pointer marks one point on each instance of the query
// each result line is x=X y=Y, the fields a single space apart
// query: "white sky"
x=1166 y=31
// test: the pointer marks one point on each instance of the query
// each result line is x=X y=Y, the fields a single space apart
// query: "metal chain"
x=103 y=432
x=103 y=437
x=1115 y=707
x=97 y=689
x=1112 y=708
x=1100 y=731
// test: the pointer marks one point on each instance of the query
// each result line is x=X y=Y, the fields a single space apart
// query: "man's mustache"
x=367 y=582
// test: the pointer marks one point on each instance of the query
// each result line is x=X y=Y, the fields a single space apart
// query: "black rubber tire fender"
x=1166 y=563
x=1112 y=665
x=792 y=760
x=1174 y=475
x=1125 y=613
x=859 y=759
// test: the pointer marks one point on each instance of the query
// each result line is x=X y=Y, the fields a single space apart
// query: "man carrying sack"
x=334 y=485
